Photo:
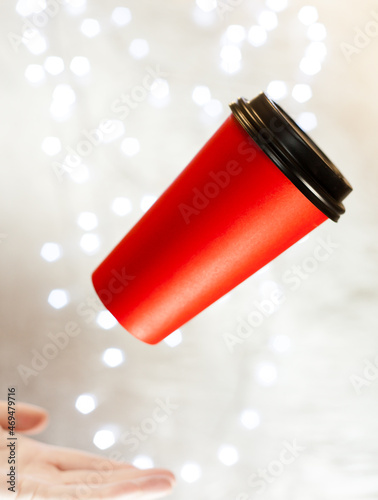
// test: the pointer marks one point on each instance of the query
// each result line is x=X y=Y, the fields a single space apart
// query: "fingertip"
x=167 y=474
x=164 y=474
x=157 y=486
x=171 y=477
x=30 y=419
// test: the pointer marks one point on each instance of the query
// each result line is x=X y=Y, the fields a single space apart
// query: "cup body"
x=229 y=213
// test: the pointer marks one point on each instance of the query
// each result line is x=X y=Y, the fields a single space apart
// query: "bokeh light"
x=236 y=33
x=79 y=174
x=317 y=51
x=277 y=5
x=80 y=66
x=228 y=455
x=201 y=94
x=104 y=439
x=191 y=472
x=308 y=14
x=307 y=121
x=106 y=320
x=268 y=20
x=85 y=403
x=250 y=419
x=280 y=343
x=139 y=48
x=89 y=243
x=76 y=7
x=51 y=146
x=27 y=7
x=266 y=373
x=277 y=89
x=35 y=73
x=159 y=89
x=64 y=94
x=310 y=66
x=207 y=5
x=90 y=27
x=257 y=36
x=147 y=201
x=35 y=42
x=87 y=221
x=58 y=298
x=121 y=16
x=301 y=92
x=317 y=32
x=54 y=65
x=213 y=108
x=230 y=54
x=130 y=146
x=51 y=251
x=143 y=462
x=113 y=356
x=174 y=339
x=121 y=206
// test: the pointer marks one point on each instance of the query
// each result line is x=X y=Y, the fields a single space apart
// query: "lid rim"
x=294 y=153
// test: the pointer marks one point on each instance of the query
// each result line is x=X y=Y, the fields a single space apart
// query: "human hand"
x=46 y=472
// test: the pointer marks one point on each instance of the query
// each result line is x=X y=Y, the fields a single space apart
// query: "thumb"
x=30 y=419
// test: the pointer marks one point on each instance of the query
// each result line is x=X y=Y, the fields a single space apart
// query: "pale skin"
x=46 y=472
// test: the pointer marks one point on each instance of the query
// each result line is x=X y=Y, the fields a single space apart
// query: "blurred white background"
x=308 y=374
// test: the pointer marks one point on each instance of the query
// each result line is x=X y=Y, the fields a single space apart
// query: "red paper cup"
x=257 y=186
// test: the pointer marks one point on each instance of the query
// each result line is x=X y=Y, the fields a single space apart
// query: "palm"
x=51 y=472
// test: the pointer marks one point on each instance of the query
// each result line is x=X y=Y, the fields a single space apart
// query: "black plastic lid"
x=294 y=153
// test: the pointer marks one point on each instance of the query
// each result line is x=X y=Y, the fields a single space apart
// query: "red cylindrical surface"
x=229 y=213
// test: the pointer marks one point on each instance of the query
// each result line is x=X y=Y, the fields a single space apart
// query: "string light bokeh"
x=104 y=103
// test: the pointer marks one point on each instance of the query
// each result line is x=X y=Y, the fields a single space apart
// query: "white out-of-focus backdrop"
x=291 y=411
